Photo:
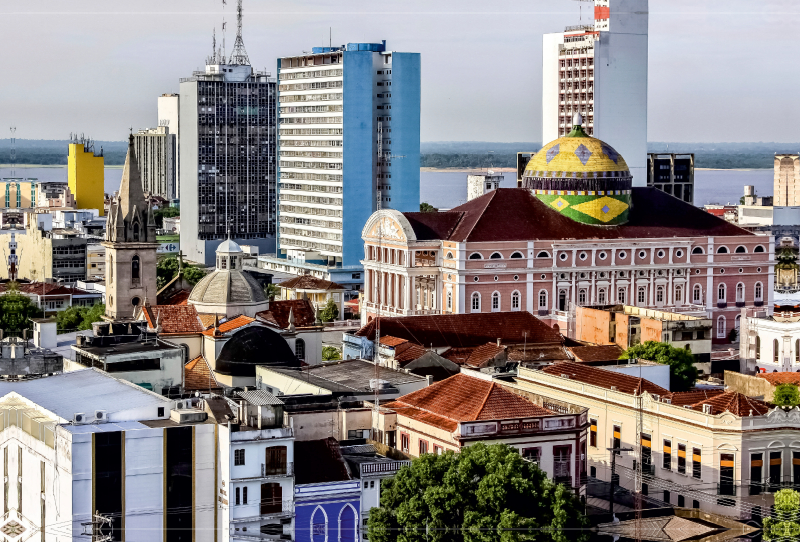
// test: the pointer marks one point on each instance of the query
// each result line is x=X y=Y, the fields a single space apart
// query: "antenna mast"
x=239 y=55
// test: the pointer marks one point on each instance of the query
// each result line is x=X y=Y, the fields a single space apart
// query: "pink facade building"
x=514 y=250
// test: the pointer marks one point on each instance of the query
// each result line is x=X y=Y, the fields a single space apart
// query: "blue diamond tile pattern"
x=605 y=209
x=611 y=153
x=583 y=154
x=552 y=152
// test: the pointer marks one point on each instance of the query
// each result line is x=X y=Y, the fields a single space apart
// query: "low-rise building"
x=761 y=385
x=717 y=450
x=318 y=291
x=465 y=409
x=770 y=344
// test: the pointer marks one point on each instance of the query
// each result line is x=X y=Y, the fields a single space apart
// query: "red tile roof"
x=734 y=402
x=477 y=356
x=408 y=352
x=459 y=330
x=607 y=352
x=682 y=398
x=230 y=325
x=597 y=376
x=780 y=378
x=207 y=320
x=181 y=297
x=174 y=319
x=390 y=341
x=278 y=313
x=462 y=398
x=310 y=282
x=197 y=375
x=514 y=214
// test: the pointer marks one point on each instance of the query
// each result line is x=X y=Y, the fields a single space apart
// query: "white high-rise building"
x=169 y=116
x=600 y=70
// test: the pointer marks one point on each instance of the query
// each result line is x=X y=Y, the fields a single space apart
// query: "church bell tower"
x=130 y=243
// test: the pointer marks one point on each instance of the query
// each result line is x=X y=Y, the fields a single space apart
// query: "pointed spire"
x=216 y=324
x=291 y=328
x=131 y=194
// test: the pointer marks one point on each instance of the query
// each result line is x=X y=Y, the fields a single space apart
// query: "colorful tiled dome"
x=582 y=178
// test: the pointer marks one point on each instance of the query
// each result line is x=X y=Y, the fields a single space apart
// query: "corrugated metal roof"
x=85 y=391
x=259 y=397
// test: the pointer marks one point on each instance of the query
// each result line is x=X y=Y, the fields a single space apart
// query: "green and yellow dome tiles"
x=581 y=177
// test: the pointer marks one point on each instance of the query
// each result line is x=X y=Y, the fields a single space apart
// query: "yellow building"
x=85 y=176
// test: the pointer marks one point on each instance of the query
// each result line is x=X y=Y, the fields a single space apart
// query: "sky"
x=719 y=70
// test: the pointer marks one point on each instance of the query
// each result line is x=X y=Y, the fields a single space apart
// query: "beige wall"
x=754 y=386
x=34 y=251
x=592 y=325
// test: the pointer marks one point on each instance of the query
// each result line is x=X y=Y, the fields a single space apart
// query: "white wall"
x=550 y=82
x=144 y=487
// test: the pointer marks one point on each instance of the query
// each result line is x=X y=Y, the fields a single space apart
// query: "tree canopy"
x=165 y=212
x=483 y=493
x=330 y=312
x=330 y=353
x=783 y=524
x=16 y=310
x=426 y=207
x=167 y=269
x=682 y=371
x=79 y=318
x=786 y=395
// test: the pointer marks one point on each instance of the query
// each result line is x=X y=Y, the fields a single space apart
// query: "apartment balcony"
x=268 y=510
x=740 y=304
x=722 y=304
x=268 y=473
x=543 y=312
x=759 y=303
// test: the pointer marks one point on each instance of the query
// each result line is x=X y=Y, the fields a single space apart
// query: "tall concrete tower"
x=599 y=69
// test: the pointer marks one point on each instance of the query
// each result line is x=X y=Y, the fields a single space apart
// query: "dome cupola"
x=582 y=178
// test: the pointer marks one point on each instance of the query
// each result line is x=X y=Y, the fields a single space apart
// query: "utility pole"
x=614 y=452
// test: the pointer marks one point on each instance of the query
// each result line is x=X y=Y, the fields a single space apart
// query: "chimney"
x=430 y=379
x=498 y=341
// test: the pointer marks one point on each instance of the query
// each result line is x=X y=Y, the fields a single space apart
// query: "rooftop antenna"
x=239 y=55
x=13 y=150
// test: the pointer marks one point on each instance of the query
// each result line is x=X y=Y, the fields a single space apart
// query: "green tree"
x=483 y=493
x=93 y=314
x=165 y=212
x=271 y=291
x=330 y=353
x=786 y=395
x=330 y=312
x=425 y=207
x=79 y=318
x=783 y=524
x=167 y=269
x=16 y=310
x=732 y=335
x=682 y=371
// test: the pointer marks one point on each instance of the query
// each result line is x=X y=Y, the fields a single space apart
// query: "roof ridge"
x=491 y=195
x=483 y=403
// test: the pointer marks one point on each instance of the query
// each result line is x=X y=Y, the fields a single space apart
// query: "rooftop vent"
x=666 y=400
x=613 y=388
x=564 y=375
x=188 y=416
x=706 y=409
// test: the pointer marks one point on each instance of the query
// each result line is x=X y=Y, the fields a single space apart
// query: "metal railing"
x=382 y=467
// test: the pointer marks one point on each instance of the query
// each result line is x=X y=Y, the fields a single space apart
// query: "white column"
x=554 y=297
x=652 y=288
x=367 y=285
x=594 y=278
x=669 y=288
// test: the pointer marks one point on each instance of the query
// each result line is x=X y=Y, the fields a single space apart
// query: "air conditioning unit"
x=80 y=418
x=179 y=405
x=100 y=416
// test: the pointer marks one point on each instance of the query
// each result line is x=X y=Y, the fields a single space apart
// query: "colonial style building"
x=577 y=235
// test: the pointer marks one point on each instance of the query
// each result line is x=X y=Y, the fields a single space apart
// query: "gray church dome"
x=228 y=290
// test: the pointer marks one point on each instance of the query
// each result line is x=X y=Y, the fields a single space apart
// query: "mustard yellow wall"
x=85 y=177
x=10 y=188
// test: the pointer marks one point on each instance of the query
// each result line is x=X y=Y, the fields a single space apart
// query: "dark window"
x=681 y=501
x=276 y=460
x=271 y=498
x=756 y=468
x=615 y=442
x=775 y=469
x=237 y=497
x=108 y=478
x=135 y=268
x=238 y=457
x=726 y=474
x=647 y=454
x=532 y=454
x=136 y=232
x=695 y=504
x=516 y=255
x=475 y=256
x=133 y=365
x=696 y=250
x=179 y=484
x=423 y=447
x=667 y=458
x=160 y=411
x=681 y=459
x=300 y=349
x=796 y=467
x=667 y=496
x=696 y=464
x=562 y=456
x=593 y=433
x=244 y=495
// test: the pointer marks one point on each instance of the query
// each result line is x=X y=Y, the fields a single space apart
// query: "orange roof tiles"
x=197 y=375
x=598 y=376
x=606 y=352
x=407 y=352
x=388 y=340
x=460 y=330
x=682 y=398
x=478 y=356
x=181 y=297
x=278 y=313
x=780 y=378
x=309 y=282
x=207 y=320
x=463 y=398
x=230 y=325
x=734 y=402
x=174 y=319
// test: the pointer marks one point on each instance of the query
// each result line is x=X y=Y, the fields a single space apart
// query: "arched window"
x=517 y=255
x=233 y=262
x=136 y=231
x=758 y=291
x=348 y=521
x=562 y=300
x=449 y=255
x=697 y=250
x=721 y=327
x=581 y=297
x=659 y=294
x=722 y=250
x=224 y=262
x=697 y=294
x=601 y=296
x=759 y=248
x=775 y=351
x=319 y=525
x=495 y=301
x=542 y=254
x=496 y=256
x=475 y=256
x=737 y=322
x=449 y=300
x=740 y=250
x=621 y=296
x=515 y=301
x=642 y=295
x=721 y=292
x=758 y=347
x=542 y=299
x=740 y=293
x=678 y=294
x=300 y=349
x=476 y=302
x=135 y=268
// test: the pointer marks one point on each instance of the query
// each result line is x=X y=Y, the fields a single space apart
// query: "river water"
x=446 y=189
